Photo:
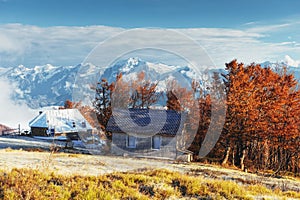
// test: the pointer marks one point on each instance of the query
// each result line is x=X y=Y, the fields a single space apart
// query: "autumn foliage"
x=261 y=125
x=261 y=129
x=139 y=93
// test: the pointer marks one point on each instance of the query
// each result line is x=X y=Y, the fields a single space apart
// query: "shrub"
x=154 y=184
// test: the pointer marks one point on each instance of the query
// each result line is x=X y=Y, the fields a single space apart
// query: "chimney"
x=40 y=112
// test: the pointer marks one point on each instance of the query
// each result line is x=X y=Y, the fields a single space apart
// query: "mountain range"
x=49 y=85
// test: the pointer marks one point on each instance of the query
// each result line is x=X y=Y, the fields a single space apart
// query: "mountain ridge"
x=49 y=85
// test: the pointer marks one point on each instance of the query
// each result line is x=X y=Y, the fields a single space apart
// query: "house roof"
x=62 y=120
x=146 y=122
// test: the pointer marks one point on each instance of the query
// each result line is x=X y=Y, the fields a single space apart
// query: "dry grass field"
x=38 y=174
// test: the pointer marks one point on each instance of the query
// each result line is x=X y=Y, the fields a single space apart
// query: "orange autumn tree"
x=143 y=92
x=120 y=93
x=240 y=84
x=262 y=123
x=133 y=93
x=284 y=120
x=210 y=95
x=68 y=104
x=181 y=99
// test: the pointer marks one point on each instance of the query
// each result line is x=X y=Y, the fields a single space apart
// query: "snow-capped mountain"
x=153 y=71
x=279 y=65
x=42 y=85
x=51 y=85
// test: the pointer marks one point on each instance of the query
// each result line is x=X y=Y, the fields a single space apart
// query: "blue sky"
x=147 y=13
x=63 y=32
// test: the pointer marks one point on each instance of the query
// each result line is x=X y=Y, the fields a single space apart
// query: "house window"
x=131 y=141
x=156 y=142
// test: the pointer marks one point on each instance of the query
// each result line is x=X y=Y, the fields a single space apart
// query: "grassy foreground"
x=147 y=184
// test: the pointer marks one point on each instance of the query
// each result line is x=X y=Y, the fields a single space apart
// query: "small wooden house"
x=147 y=133
x=58 y=122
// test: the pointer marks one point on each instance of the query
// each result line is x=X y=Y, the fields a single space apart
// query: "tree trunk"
x=233 y=158
x=242 y=160
x=226 y=156
x=266 y=155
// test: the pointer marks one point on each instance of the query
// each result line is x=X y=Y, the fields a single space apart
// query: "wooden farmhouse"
x=147 y=133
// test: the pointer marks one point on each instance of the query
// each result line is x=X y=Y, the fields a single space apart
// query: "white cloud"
x=32 y=45
x=13 y=114
x=223 y=45
x=220 y=32
x=269 y=28
x=290 y=62
x=7 y=44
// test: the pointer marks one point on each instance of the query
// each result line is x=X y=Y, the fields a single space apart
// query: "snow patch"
x=162 y=68
x=291 y=62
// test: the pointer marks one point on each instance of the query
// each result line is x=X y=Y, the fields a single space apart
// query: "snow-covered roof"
x=64 y=120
